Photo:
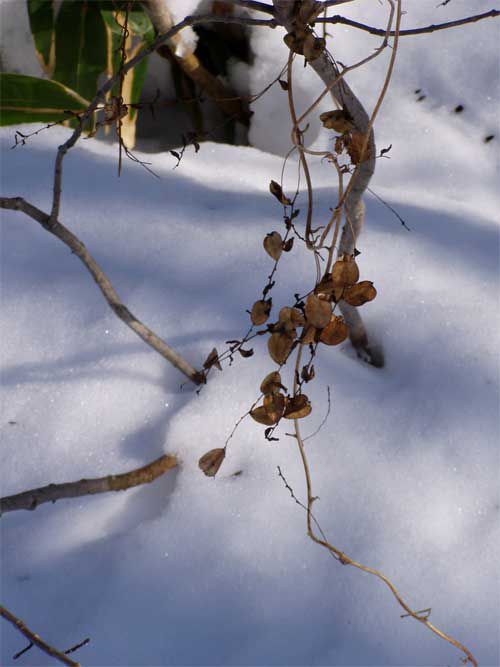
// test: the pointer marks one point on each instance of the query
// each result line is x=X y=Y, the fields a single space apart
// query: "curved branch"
x=413 y=31
x=36 y=639
x=29 y=500
x=105 y=285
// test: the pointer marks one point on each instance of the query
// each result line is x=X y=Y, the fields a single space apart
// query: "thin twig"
x=106 y=87
x=105 y=285
x=30 y=500
x=413 y=31
x=36 y=639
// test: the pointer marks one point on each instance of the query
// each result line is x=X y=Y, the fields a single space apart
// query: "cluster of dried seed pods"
x=277 y=404
x=315 y=318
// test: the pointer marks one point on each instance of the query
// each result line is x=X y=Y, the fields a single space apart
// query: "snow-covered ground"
x=194 y=571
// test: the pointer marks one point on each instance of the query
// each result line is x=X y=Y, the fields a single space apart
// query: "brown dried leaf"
x=307 y=374
x=279 y=346
x=212 y=360
x=354 y=147
x=271 y=384
x=283 y=84
x=291 y=318
x=273 y=245
x=345 y=272
x=337 y=120
x=288 y=245
x=335 y=332
x=297 y=407
x=260 y=311
x=261 y=416
x=318 y=311
x=276 y=190
x=212 y=461
x=361 y=293
x=274 y=405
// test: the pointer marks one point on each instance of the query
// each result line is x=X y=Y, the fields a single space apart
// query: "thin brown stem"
x=36 y=639
x=30 y=500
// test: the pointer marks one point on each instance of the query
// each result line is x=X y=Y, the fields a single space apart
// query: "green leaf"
x=81 y=46
x=41 y=16
x=27 y=99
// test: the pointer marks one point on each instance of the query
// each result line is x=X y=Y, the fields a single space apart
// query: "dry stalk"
x=30 y=500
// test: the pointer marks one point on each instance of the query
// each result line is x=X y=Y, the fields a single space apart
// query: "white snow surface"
x=196 y=571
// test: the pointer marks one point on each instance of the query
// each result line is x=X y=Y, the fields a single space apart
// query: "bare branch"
x=414 y=31
x=36 y=639
x=257 y=6
x=105 y=285
x=29 y=500
x=105 y=88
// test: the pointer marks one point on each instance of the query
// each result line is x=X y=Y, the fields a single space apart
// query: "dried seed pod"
x=212 y=360
x=261 y=416
x=212 y=461
x=345 y=272
x=279 y=346
x=360 y=293
x=337 y=120
x=274 y=405
x=260 y=312
x=313 y=47
x=354 y=147
x=335 y=332
x=276 y=190
x=271 y=384
x=291 y=318
x=297 y=407
x=273 y=245
x=318 y=311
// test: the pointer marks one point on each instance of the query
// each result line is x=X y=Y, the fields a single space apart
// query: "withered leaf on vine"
x=283 y=84
x=360 y=293
x=345 y=272
x=307 y=373
x=212 y=360
x=280 y=346
x=337 y=120
x=261 y=416
x=335 y=332
x=276 y=190
x=260 y=311
x=273 y=245
x=318 y=311
x=271 y=384
x=298 y=407
x=246 y=353
x=212 y=461
x=288 y=245
x=274 y=405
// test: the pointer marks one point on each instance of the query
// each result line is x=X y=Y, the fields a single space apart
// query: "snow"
x=194 y=571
